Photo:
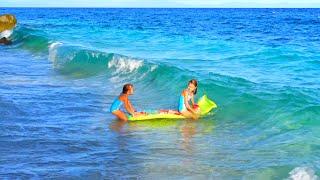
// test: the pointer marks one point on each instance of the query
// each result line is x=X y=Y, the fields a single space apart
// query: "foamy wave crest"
x=77 y=61
x=124 y=68
x=303 y=173
x=6 y=33
x=53 y=49
x=124 y=65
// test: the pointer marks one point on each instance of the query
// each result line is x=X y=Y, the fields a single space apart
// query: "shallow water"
x=65 y=67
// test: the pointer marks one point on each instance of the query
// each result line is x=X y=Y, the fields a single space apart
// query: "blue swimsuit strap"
x=182 y=103
x=116 y=105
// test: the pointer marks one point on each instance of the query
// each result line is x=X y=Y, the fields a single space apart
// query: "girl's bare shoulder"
x=184 y=92
x=123 y=97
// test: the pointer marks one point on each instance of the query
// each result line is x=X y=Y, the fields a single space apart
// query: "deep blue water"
x=65 y=66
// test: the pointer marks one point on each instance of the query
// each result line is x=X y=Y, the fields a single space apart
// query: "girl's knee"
x=120 y=115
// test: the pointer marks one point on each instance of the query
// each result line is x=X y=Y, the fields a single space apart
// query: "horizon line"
x=111 y=7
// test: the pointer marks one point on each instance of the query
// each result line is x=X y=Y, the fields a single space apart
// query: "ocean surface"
x=66 y=66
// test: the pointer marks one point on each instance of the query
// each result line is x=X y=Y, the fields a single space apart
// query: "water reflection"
x=117 y=126
x=188 y=130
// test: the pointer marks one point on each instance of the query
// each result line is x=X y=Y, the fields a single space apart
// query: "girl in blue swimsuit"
x=123 y=101
x=186 y=101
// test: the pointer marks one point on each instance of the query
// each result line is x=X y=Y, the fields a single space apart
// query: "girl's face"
x=131 y=90
x=192 y=87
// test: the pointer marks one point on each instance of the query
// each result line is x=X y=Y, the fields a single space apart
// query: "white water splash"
x=53 y=49
x=303 y=173
x=153 y=68
x=6 y=33
x=124 y=65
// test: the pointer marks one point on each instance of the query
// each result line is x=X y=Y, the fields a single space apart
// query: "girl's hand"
x=139 y=113
x=196 y=108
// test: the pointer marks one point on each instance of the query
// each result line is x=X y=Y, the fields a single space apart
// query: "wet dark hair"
x=126 y=88
x=195 y=83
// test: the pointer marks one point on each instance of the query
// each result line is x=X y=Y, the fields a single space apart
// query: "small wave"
x=83 y=62
x=78 y=61
x=124 y=64
x=30 y=39
x=123 y=68
x=303 y=173
x=242 y=95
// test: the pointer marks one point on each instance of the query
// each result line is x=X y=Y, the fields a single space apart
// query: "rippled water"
x=58 y=79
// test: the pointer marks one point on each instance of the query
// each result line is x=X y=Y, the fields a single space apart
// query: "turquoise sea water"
x=66 y=66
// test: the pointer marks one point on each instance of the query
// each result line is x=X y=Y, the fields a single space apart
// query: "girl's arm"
x=131 y=106
x=186 y=103
x=128 y=106
x=192 y=100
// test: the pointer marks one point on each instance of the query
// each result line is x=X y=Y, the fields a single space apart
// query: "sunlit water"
x=65 y=67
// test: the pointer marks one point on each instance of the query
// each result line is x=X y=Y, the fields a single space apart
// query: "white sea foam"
x=303 y=173
x=124 y=65
x=153 y=68
x=53 y=49
x=6 y=33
